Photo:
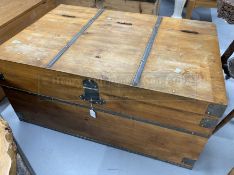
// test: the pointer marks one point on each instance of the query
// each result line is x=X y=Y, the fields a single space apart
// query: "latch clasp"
x=91 y=92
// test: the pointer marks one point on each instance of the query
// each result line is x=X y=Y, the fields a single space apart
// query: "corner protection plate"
x=216 y=110
x=20 y=116
x=189 y=162
x=208 y=123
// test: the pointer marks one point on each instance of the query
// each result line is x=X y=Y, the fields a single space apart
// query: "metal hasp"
x=91 y=92
x=74 y=38
x=147 y=52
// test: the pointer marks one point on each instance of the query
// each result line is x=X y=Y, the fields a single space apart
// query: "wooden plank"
x=147 y=139
x=120 y=57
x=179 y=68
x=7 y=150
x=19 y=18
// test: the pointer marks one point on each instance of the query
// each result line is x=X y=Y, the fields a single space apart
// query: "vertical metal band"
x=74 y=38
x=147 y=52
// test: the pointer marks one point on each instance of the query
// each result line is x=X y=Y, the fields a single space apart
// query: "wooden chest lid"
x=11 y=9
x=184 y=60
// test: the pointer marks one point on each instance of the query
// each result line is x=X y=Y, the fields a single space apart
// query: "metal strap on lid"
x=147 y=52
x=74 y=38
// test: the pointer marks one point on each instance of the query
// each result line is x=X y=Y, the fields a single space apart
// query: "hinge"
x=209 y=122
x=216 y=110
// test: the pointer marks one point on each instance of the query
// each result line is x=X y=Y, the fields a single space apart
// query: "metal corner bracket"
x=189 y=162
x=216 y=110
x=209 y=122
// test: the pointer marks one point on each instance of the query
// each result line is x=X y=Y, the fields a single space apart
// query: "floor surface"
x=53 y=153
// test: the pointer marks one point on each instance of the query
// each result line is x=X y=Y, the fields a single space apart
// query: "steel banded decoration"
x=148 y=48
x=74 y=38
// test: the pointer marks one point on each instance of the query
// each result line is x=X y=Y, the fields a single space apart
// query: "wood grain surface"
x=137 y=6
x=158 y=142
x=144 y=105
x=113 y=50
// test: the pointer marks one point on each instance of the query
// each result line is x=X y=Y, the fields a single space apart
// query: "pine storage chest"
x=147 y=84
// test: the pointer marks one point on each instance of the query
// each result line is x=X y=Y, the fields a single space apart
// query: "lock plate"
x=91 y=92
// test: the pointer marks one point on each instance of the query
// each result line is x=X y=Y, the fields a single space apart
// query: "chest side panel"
x=164 y=144
x=143 y=105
